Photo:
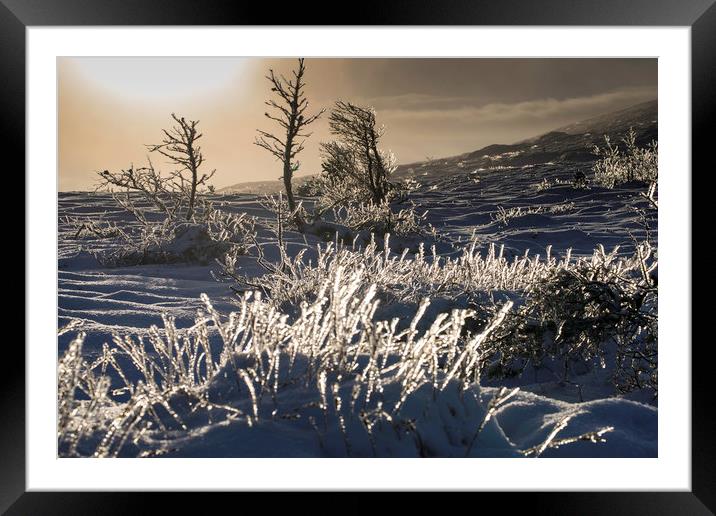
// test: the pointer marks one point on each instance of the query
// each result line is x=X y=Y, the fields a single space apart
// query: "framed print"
x=420 y=251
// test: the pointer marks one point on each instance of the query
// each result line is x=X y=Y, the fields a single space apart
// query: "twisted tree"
x=288 y=110
x=356 y=154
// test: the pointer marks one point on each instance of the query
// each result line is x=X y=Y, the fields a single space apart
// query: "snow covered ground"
x=525 y=209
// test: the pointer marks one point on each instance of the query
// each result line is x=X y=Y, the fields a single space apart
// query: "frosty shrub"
x=380 y=219
x=571 y=315
x=351 y=205
x=308 y=188
x=334 y=340
x=580 y=181
x=286 y=269
x=134 y=184
x=284 y=217
x=355 y=180
x=543 y=185
x=92 y=229
x=100 y=417
x=332 y=190
x=177 y=241
x=342 y=183
x=617 y=165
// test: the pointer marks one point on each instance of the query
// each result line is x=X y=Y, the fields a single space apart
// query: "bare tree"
x=288 y=110
x=357 y=153
x=179 y=145
x=157 y=190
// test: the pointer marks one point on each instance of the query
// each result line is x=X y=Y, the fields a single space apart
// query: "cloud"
x=424 y=107
x=419 y=102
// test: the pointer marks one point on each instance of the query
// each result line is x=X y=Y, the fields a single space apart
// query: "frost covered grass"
x=578 y=182
x=505 y=215
x=366 y=388
x=405 y=277
x=333 y=342
x=313 y=352
x=570 y=309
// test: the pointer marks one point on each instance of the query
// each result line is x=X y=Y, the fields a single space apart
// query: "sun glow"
x=158 y=78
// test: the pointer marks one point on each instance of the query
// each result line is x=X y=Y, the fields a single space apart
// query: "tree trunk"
x=193 y=167
x=192 y=196
x=287 y=171
x=287 y=175
x=381 y=174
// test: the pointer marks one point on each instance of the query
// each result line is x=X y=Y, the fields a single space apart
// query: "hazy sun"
x=156 y=78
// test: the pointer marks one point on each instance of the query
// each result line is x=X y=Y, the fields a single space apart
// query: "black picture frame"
x=700 y=15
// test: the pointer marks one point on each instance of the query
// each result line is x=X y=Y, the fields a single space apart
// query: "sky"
x=109 y=108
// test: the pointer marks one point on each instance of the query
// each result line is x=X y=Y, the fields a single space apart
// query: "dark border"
x=700 y=15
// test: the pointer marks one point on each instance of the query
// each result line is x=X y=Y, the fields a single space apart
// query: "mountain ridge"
x=572 y=143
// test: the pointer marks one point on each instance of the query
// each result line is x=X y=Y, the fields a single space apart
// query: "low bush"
x=596 y=311
x=380 y=219
x=579 y=182
x=176 y=241
x=92 y=229
x=618 y=164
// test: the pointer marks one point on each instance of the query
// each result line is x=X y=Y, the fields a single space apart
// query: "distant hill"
x=571 y=143
x=642 y=117
x=262 y=187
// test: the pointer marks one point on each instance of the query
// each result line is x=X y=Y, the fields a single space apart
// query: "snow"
x=128 y=300
x=446 y=423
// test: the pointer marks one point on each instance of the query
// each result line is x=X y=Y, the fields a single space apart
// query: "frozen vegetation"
x=508 y=312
